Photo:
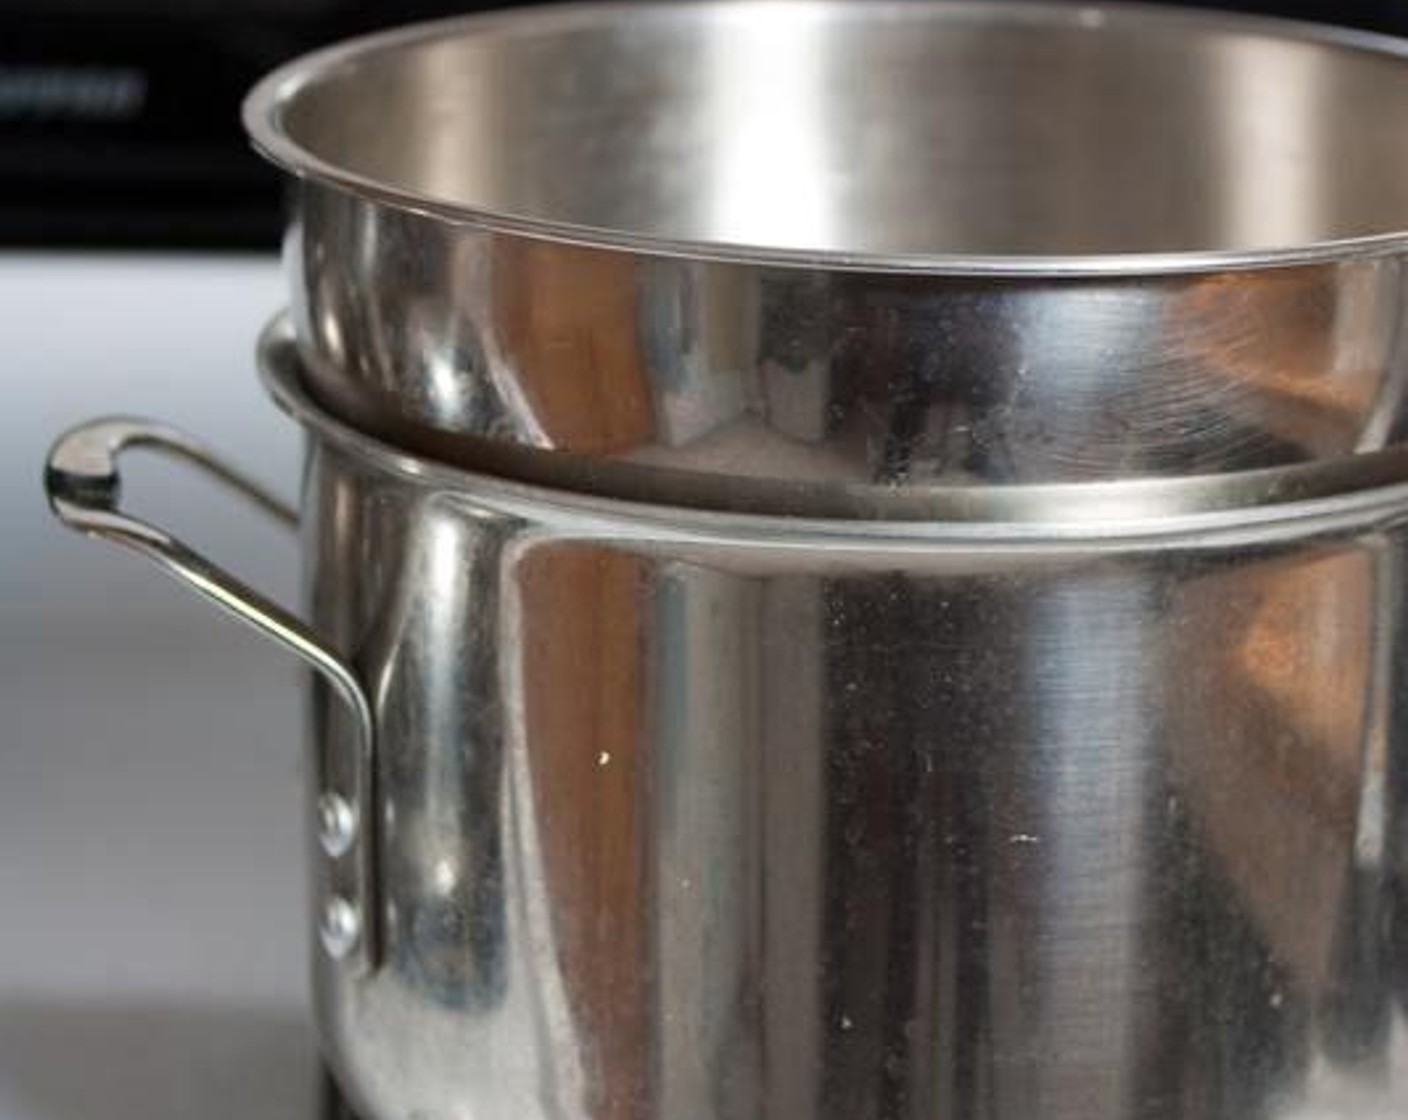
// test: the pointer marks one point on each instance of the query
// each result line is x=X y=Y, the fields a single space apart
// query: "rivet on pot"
x=340 y=927
x=337 y=824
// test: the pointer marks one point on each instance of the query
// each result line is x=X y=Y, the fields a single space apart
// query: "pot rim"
x=1356 y=492
x=263 y=110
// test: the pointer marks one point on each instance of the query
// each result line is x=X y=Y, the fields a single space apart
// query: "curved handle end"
x=84 y=486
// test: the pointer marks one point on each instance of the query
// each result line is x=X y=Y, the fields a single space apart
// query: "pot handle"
x=83 y=486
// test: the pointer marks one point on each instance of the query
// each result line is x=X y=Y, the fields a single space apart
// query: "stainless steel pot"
x=1093 y=806
x=825 y=256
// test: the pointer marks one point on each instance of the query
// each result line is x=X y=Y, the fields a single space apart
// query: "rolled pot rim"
x=1348 y=493
x=263 y=112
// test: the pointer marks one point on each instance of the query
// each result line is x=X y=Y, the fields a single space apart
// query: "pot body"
x=748 y=824
x=1096 y=809
x=767 y=257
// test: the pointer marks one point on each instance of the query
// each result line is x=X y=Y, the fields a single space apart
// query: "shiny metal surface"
x=1163 y=505
x=734 y=820
x=707 y=252
x=84 y=490
x=694 y=815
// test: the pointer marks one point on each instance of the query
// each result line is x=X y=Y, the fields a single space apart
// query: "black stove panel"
x=119 y=118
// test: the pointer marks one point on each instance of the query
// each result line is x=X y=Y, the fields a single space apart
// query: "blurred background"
x=152 y=948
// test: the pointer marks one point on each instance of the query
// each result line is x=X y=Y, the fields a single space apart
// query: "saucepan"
x=1088 y=806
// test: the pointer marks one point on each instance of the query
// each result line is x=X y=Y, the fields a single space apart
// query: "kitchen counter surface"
x=152 y=948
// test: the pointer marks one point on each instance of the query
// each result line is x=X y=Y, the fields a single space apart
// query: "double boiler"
x=854 y=560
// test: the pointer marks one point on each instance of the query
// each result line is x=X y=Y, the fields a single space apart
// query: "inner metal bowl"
x=852 y=244
x=1131 y=511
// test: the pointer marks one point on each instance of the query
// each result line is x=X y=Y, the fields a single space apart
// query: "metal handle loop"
x=84 y=491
